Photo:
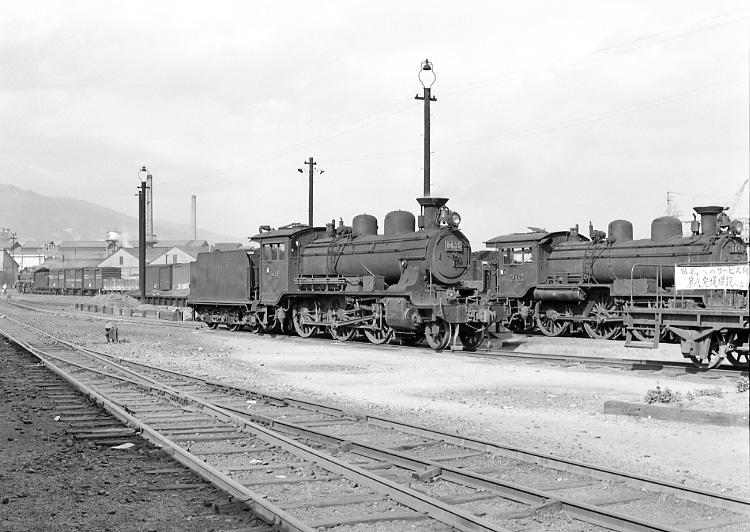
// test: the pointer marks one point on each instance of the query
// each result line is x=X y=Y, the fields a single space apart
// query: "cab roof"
x=532 y=237
x=287 y=231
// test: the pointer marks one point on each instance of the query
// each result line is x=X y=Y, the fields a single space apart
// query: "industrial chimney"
x=150 y=236
x=192 y=217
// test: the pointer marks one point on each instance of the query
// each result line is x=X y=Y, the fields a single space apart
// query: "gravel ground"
x=552 y=409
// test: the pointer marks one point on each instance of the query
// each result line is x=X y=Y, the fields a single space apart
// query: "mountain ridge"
x=36 y=217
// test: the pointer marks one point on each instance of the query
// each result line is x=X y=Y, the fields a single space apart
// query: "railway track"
x=486 y=351
x=302 y=465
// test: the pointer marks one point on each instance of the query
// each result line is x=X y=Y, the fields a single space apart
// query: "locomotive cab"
x=279 y=263
x=519 y=266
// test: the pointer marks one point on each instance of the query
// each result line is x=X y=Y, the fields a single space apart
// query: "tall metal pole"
x=310 y=192
x=426 y=67
x=311 y=164
x=142 y=240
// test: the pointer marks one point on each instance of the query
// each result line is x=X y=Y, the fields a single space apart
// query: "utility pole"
x=427 y=78
x=144 y=175
x=311 y=171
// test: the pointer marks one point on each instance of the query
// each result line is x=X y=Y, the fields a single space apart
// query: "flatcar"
x=349 y=279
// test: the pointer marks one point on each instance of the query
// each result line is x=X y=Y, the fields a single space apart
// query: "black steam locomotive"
x=348 y=280
x=563 y=282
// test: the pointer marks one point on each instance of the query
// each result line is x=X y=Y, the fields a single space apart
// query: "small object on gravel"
x=6 y=500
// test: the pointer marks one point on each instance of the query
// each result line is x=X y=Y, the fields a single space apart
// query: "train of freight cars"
x=89 y=281
x=349 y=280
x=610 y=284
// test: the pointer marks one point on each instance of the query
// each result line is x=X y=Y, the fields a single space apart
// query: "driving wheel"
x=548 y=320
x=602 y=311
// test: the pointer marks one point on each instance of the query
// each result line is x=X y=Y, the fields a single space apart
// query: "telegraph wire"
x=592 y=56
x=588 y=57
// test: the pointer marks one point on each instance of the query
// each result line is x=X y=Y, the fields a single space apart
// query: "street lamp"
x=312 y=170
x=142 y=176
x=426 y=78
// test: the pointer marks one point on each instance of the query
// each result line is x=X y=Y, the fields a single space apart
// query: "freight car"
x=74 y=281
x=562 y=281
x=350 y=280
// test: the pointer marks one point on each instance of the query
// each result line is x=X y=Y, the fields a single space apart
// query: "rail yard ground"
x=550 y=408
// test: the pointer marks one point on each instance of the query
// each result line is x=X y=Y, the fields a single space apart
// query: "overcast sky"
x=548 y=113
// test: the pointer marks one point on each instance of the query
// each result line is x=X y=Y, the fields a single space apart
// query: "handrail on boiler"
x=659 y=281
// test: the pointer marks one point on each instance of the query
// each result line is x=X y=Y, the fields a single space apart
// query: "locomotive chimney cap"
x=711 y=209
x=432 y=202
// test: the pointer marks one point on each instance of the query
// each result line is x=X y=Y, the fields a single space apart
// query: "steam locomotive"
x=564 y=282
x=349 y=279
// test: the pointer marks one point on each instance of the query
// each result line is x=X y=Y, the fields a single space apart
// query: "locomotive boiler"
x=562 y=281
x=349 y=279
x=618 y=256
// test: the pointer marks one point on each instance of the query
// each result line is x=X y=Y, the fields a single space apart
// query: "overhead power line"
x=404 y=105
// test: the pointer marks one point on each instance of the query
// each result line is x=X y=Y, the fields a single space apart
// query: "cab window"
x=266 y=252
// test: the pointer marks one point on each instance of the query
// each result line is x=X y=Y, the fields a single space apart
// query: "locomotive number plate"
x=454 y=245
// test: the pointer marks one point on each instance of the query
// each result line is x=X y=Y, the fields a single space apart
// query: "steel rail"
x=719 y=500
x=419 y=502
x=483 y=352
x=262 y=508
x=631 y=364
x=582 y=511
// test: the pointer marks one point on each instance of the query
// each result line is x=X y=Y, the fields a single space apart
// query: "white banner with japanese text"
x=727 y=277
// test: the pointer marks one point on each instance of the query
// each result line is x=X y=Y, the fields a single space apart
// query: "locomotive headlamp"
x=735 y=226
x=448 y=217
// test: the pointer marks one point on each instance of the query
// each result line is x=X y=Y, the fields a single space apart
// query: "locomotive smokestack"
x=430 y=207
x=192 y=217
x=709 y=216
x=150 y=236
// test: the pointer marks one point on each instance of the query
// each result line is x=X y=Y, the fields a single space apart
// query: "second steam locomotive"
x=562 y=281
x=346 y=280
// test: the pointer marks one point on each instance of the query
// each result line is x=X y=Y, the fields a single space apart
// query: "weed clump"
x=713 y=392
x=665 y=396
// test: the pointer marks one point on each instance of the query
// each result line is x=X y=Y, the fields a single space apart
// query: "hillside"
x=33 y=216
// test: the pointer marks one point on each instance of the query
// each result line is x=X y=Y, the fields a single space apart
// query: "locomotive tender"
x=562 y=281
x=345 y=280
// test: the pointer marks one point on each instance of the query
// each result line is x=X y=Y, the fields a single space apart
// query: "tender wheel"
x=379 y=336
x=604 y=308
x=715 y=356
x=439 y=340
x=471 y=337
x=235 y=327
x=305 y=309
x=548 y=319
